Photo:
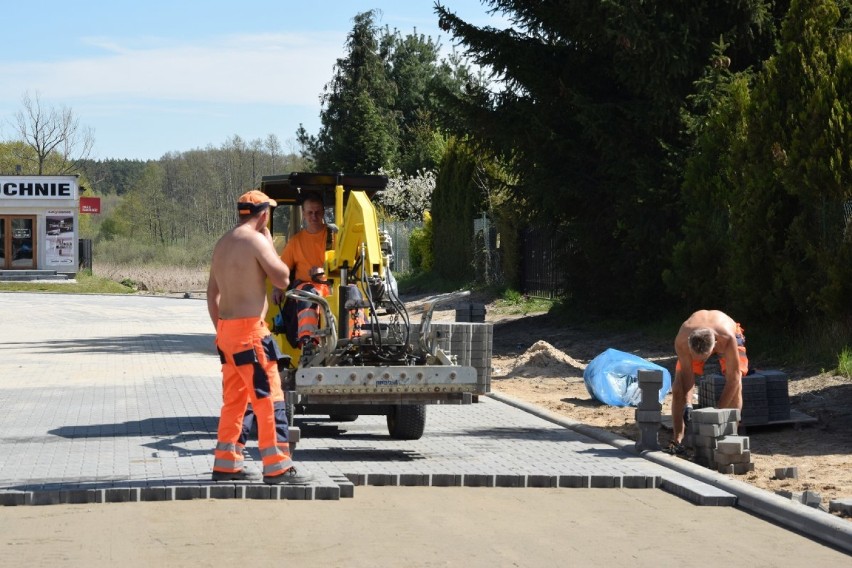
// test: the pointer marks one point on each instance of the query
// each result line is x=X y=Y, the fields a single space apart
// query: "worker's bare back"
x=237 y=272
x=720 y=322
x=724 y=328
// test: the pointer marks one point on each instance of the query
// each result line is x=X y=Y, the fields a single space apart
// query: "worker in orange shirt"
x=304 y=254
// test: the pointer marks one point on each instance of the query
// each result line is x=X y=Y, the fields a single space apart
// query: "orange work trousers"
x=249 y=358
x=307 y=313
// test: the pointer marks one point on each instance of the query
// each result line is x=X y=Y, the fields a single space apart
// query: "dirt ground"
x=428 y=527
x=540 y=360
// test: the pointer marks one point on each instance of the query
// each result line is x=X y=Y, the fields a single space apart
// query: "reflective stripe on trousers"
x=307 y=313
x=248 y=374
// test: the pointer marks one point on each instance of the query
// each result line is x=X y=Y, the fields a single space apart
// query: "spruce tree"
x=585 y=108
x=359 y=131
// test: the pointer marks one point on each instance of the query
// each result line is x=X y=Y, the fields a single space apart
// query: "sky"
x=149 y=77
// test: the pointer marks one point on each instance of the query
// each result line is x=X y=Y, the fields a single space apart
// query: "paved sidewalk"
x=116 y=398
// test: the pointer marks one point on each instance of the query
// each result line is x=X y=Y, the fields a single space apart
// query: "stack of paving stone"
x=755 y=396
x=777 y=395
x=471 y=343
x=470 y=312
x=649 y=410
x=713 y=436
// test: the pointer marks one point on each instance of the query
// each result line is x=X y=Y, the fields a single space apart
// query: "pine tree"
x=359 y=129
x=585 y=108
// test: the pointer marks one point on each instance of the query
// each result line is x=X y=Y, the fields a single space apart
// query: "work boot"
x=675 y=449
x=241 y=475
x=289 y=477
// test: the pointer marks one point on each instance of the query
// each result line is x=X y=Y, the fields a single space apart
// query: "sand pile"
x=542 y=358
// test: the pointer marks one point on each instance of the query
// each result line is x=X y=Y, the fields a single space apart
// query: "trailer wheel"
x=407 y=422
x=343 y=417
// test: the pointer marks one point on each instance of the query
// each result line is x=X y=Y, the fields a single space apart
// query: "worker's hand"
x=277 y=295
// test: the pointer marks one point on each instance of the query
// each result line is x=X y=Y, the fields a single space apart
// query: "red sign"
x=90 y=205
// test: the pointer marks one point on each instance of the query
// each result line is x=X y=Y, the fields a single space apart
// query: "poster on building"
x=60 y=238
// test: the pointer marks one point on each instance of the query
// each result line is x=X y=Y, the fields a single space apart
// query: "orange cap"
x=253 y=201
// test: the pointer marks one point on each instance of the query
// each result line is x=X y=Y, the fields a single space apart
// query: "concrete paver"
x=111 y=392
x=116 y=398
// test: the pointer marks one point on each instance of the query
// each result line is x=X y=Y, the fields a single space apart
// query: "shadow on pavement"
x=145 y=343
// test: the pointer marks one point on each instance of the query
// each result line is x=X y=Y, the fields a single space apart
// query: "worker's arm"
x=684 y=357
x=213 y=298
x=732 y=359
x=272 y=265
x=287 y=258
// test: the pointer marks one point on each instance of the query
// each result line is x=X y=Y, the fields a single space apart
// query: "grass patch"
x=818 y=344
x=426 y=282
x=85 y=283
x=844 y=362
x=513 y=302
x=126 y=251
x=154 y=277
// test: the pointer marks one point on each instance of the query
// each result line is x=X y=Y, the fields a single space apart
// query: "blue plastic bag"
x=613 y=378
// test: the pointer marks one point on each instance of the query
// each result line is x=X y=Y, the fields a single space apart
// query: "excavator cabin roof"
x=289 y=188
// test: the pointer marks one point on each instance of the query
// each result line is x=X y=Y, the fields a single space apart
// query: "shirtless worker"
x=706 y=332
x=236 y=301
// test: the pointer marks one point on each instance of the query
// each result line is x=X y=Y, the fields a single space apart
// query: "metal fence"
x=543 y=273
x=487 y=260
x=400 y=234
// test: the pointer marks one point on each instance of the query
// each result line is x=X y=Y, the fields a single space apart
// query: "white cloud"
x=268 y=69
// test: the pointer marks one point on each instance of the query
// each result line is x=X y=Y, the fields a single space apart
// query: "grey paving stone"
x=842 y=506
x=113 y=424
x=575 y=481
x=415 y=479
x=153 y=494
x=223 y=491
x=296 y=492
x=327 y=493
x=604 y=481
x=189 y=492
x=258 y=492
x=121 y=495
x=510 y=481
x=696 y=492
x=648 y=415
x=48 y=498
x=382 y=479
x=446 y=480
x=786 y=473
x=639 y=482
x=542 y=481
x=478 y=480
x=13 y=498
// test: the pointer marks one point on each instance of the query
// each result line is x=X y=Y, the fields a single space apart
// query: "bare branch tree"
x=55 y=136
x=273 y=146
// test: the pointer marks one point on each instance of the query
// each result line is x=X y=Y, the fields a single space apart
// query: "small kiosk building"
x=38 y=223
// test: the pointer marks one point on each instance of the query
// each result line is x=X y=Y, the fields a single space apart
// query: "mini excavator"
x=370 y=358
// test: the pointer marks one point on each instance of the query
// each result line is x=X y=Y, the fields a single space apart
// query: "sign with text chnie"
x=37 y=188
